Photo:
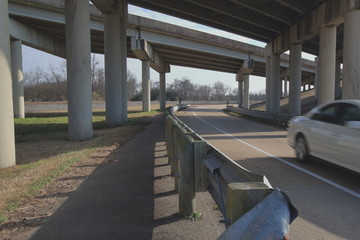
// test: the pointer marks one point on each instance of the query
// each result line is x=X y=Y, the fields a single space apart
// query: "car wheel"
x=301 y=149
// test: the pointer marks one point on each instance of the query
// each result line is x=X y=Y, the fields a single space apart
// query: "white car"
x=330 y=131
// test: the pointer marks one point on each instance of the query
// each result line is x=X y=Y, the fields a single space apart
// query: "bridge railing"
x=277 y=118
x=199 y=167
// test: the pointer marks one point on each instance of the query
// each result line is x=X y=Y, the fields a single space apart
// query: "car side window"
x=328 y=114
x=349 y=113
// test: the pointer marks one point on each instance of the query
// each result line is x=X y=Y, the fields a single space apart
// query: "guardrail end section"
x=270 y=219
x=243 y=196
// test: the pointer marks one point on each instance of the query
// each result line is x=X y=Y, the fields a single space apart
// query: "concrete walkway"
x=131 y=197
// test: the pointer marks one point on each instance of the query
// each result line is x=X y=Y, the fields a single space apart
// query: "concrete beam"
x=143 y=51
x=105 y=6
x=247 y=67
x=36 y=39
x=329 y=13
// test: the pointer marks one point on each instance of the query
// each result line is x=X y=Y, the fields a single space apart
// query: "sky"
x=33 y=58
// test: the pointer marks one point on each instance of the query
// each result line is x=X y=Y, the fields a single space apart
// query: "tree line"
x=51 y=85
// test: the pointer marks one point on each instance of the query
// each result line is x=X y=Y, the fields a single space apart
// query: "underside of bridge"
x=262 y=20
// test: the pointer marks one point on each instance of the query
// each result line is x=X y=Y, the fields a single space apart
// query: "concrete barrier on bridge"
x=276 y=118
x=242 y=196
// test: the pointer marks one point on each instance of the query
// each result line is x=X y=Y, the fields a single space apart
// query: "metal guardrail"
x=242 y=196
x=277 y=118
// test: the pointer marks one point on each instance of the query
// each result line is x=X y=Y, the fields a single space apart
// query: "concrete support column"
x=18 y=78
x=295 y=80
x=115 y=65
x=337 y=78
x=7 y=138
x=327 y=54
x=351 y=56
x=316 y=81
x=275 y=83
x=77 y=19
x=246 y=91
x=162 y=91
x=267 y=90
x=240 y=93
x=286 y=80
x=146 y=85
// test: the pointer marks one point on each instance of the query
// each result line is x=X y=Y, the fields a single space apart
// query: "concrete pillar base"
x=18 y=78
x=162 y=91
x=116 y=66
x=351 y=56
x=246 y=91
x=327 y=54
x=240 y=93
x=275 y=83
x=77 y=18
x=7 y=137
x=295 y=80
x=146 y=85
x=268 y=75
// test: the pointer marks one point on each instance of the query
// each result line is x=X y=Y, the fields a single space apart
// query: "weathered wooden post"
x=243 y=196
x=169 y=122
x=200 y=170
x=177 y=134
x=187 y=203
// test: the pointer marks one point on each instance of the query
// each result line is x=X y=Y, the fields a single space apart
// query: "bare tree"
x=204 y=92
x=219 y=91
x=183 y=88
x=132 y=86
x=32 y=80
x=57 y=82
x=97 y=77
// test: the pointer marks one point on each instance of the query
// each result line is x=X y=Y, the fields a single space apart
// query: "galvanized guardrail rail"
x=277 y=118
x=244 y=198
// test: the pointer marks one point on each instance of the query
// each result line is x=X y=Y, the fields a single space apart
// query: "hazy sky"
x=33 y=58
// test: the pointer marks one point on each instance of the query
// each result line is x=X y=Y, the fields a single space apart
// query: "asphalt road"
x=326 y=196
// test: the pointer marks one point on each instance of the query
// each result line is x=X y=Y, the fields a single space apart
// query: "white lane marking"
x=338 y=186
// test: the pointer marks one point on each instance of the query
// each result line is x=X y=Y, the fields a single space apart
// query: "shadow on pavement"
x=116 y=201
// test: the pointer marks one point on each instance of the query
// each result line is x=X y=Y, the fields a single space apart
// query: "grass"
x=196 y=216
x=44 y=153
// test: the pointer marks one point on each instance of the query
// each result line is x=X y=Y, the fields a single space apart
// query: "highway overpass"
x=325 y=28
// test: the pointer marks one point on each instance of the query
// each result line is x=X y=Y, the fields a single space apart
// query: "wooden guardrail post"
x=173 y=149
x=243 y=196
x=187 y=203
x=177 y=133
x=169 y=122
x=200 y=152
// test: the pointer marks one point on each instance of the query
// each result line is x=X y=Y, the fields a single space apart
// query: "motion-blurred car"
x=330 y=131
